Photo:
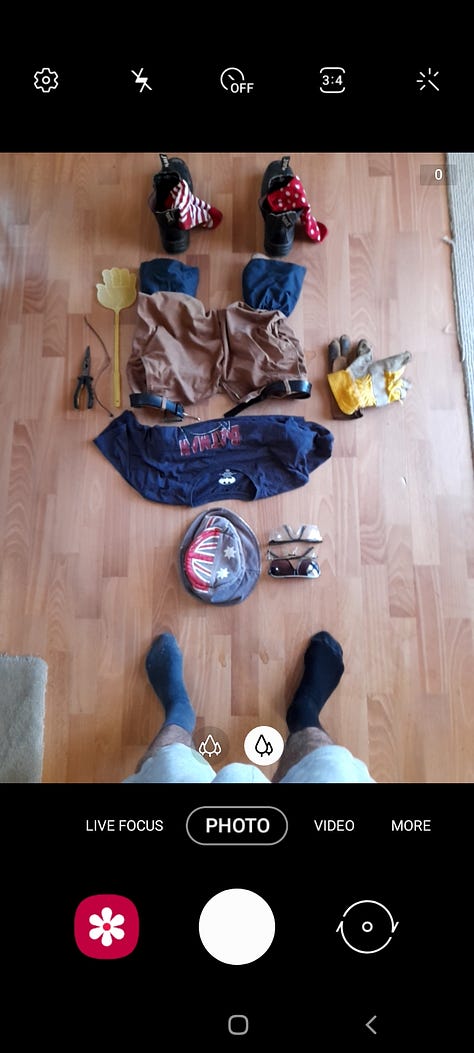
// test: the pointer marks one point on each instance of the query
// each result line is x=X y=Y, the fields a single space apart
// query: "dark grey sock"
x=164 y=665
x=323 y=668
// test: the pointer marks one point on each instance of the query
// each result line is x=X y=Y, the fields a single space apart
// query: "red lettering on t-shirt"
x=213 y=440
x=234 y=435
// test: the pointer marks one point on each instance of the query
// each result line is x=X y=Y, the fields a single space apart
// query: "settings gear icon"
x=46 y=79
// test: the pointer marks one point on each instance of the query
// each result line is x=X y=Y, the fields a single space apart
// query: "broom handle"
x=117 y=398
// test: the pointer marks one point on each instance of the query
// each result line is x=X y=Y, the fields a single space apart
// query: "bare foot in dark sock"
x=323 y=668
x=164 y=665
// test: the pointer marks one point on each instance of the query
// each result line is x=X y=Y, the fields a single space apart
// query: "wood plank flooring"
x=89 y=568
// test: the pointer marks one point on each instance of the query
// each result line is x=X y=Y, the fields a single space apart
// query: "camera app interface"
x=236 y=554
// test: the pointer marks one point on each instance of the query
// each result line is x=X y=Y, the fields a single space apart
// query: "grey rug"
x=22 y=708
x=461 y=209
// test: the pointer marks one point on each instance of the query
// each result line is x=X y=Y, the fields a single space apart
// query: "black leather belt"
x=279 y=389
x=143 y=400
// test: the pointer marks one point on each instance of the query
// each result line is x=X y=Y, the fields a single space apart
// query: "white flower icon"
x=106 y=927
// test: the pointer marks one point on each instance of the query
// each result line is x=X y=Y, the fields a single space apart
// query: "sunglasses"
x=283 y=534
x=291 y=566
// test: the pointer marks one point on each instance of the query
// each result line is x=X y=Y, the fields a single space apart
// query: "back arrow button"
x=369 y=1022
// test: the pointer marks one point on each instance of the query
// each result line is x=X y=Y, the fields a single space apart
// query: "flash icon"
x=139 y=79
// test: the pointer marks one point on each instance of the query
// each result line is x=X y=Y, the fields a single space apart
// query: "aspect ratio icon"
x=367 y=926
x=331 y=80
x=232 y=79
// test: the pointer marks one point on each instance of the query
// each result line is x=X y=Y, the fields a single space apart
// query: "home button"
x=238 y=1024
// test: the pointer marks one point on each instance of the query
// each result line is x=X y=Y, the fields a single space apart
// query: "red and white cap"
x=220 y=557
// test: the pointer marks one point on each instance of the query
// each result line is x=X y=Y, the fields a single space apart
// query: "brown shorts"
x=187 y=354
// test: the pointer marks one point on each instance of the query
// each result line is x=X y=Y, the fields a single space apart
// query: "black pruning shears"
x=84 y=380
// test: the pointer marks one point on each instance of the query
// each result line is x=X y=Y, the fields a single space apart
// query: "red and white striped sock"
x=193 y=212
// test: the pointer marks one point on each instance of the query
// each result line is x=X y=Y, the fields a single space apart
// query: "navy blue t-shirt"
x=248 y=459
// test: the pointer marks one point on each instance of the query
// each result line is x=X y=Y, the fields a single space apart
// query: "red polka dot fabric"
x=293 y=198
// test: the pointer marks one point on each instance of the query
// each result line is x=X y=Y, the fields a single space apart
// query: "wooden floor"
x=89 y=571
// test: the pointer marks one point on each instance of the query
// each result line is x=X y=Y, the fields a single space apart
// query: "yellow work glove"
x=365 y=382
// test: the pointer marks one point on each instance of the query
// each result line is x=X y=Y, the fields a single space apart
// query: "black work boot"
x=173 y=170
x=279 y=226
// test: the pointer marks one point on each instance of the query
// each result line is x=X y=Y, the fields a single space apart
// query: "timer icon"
x=231 y=76
x=232 y=79
x=332 y=79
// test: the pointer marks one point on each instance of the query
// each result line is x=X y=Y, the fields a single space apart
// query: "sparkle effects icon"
x=46 y=79
x=426 y=78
